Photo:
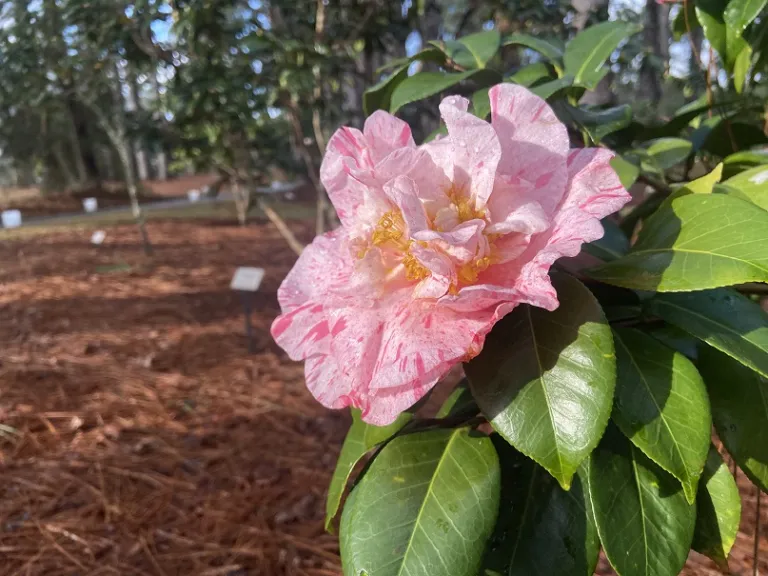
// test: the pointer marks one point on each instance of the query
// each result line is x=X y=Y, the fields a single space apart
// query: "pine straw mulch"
x=138 y=436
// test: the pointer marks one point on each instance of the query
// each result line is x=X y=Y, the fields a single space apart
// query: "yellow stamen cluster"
x=390 y=233
x=470 y=271
x=414 y=270
x=464 y=206
x=390 y=228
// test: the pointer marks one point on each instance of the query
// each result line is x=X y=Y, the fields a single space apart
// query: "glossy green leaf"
x=614 y=243
x=482 y=45
x=661 y=405
x=542 y=529
x=644 y=521
x=459 y=401
x=548 y=89
x=425 y=84
x=481 y=103
x=739 y=13
x=426 y=507
x=718 y=511
x=532 y=74
x=597 y=123
x=430 y=54
x=741 y=161
x=667 y=152
x=378 y=97
x=587 y=52
x=361 y=438
x=741 y=64
x=723 y=318
x=456 y=52
x=676 y=338
x=545 y=380
x=626 y=171
x=695 y=242
x=706 y=183
x=739 y=398
x=547 y=49
x=752 y=184
x=682 y=118
x=710 y=15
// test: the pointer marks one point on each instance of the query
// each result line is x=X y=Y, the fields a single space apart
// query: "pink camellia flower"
x=437 y=243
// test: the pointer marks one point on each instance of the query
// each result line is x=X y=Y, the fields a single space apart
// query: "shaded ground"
x=140 y=438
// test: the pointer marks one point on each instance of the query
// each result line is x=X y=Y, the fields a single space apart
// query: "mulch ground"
x=138 y=436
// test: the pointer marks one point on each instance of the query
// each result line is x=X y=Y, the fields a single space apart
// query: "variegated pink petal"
x=405 y=195
x=385 y=134
x=438 y=243
x=534 y=147
x=474 y=148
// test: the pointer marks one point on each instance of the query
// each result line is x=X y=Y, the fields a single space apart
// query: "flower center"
x=389 y=232
x=390 y=229
x=464 y=206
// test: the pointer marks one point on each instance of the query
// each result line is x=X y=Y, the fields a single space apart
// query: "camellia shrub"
x=608 y=346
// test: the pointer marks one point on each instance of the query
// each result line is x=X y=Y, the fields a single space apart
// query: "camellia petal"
x=437 y=243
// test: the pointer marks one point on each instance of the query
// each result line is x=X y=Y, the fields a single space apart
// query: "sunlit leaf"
x=545 y=380
x=752 y=184
x=532 y=74
x=426 y=507
x=586 y=54
x=661 y=405
x=710 y=15
x=548 y=89
x=695 y=242
x=626 y=171
x=482 y=45
x=361 y=438
x=718 y=511
x=723 y=318
x=425 y=84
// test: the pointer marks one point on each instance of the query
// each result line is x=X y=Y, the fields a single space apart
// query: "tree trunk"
x=114 y=128
x=161 y=160
x=124 y=154
x=64 y=169
x=242 y=196
x=141 y=157
x=74 y=141
x=142 y=166
x=656 y=39
x=161 y=164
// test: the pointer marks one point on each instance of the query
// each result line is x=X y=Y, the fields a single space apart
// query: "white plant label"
x=247 y=279
x=11 y=218
x=90 y=204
